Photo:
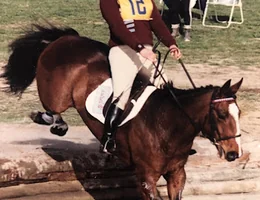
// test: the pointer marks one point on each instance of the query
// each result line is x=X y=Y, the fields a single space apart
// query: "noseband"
x=213 y=123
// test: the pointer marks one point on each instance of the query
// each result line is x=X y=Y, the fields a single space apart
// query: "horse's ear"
x=234 y=88
x=225 y=88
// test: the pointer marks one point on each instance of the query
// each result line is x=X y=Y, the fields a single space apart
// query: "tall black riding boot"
x=112 y=121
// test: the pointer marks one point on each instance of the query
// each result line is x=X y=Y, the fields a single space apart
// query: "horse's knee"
x=175 y=183
x=149 y=191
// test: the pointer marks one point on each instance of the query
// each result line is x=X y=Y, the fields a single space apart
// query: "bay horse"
x=157 y=142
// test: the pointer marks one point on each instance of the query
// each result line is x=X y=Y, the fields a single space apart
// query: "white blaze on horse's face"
x=234 y=112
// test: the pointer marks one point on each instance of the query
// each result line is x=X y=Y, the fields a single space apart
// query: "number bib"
x=135 y=9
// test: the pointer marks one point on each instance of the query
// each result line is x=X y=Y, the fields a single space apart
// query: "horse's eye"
x=222 y=114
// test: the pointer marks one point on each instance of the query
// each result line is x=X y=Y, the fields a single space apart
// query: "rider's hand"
x=175 y=52
x=148 y=54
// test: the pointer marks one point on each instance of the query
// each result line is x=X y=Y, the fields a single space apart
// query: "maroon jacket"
x=136 y=33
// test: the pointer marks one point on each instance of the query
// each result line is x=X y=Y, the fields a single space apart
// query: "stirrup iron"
x=104 y=148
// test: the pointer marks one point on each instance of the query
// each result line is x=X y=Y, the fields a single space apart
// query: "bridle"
x=214 y=100
x=213 y=123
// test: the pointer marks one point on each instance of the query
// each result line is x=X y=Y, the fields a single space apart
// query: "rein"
x=159 y=73
x=213 y=99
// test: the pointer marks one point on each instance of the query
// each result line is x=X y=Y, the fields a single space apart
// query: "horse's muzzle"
x=231 y=156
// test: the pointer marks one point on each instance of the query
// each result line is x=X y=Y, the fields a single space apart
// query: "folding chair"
x=228 y=3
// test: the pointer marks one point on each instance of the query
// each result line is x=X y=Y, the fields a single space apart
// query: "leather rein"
x=214 y=100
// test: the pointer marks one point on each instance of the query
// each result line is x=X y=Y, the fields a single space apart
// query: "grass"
x=235 y=46
x=20 y=109
x=16 y=15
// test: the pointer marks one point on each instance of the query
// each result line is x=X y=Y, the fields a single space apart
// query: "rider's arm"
x=160 y=29
x=163 y=34
x=110 y=12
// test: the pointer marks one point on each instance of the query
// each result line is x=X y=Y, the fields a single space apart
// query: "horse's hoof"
x=36 y=116
x=58 y=130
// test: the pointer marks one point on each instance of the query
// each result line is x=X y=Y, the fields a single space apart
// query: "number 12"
x=140 y=6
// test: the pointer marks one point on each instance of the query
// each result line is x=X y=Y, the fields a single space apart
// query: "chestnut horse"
x=157 y=142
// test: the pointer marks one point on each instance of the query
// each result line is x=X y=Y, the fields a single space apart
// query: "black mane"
x=185 y=92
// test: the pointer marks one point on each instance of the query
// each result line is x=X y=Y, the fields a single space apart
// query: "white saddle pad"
x=95 y=102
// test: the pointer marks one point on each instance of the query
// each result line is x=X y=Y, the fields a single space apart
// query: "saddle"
x=99 y=100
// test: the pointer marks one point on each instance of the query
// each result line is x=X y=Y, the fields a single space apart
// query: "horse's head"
x=222 y=124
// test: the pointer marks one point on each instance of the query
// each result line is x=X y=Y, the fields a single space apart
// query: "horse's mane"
x=185 y=92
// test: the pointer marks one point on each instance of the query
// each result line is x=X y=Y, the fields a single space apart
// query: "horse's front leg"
x=175 y=183
x=147 y=186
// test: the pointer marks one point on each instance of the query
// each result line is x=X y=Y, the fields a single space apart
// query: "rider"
x=131 y=23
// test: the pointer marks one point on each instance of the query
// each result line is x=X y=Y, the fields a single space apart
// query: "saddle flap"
x=99 y=100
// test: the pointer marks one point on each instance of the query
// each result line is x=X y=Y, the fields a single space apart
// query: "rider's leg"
x=112 y=119
x=123 y=70
x=157 y=75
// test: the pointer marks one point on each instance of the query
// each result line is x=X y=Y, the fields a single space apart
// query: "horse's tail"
x=20 y=70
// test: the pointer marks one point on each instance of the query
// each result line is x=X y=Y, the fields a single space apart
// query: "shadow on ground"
x=102 y=176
